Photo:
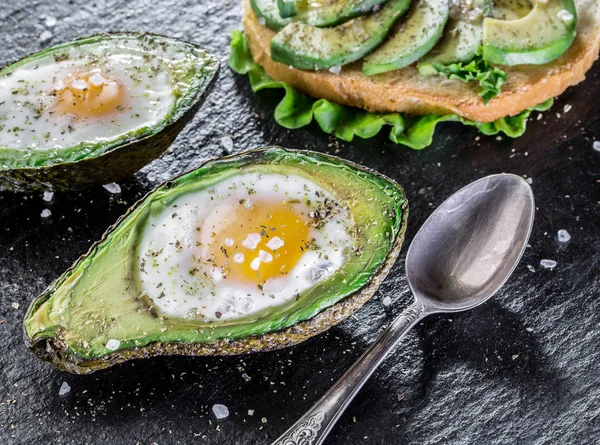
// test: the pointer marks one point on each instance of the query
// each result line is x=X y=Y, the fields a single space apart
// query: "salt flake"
x=45 y=213
x=113 y=188
x=275 y=243
x=45 y=36
x=64 y=389
x=112 y=344
x=548 y=264
x=386 y=301
x=596 y=146
x=563 y=236
x=220 y=411
x=48 y=196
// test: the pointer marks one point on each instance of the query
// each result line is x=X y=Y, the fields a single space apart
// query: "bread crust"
x=409 y=92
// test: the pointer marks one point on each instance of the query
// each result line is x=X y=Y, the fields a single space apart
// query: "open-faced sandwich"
x=412 y=63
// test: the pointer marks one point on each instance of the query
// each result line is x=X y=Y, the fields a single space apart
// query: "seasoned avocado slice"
x=97 y=109
x=334 y=12
x=462 y=35
x=126 y=297
x=540 y=37
x=308 y=47
x=510 y=9
x=267 y=11
x=413 y=37
x=287 y=8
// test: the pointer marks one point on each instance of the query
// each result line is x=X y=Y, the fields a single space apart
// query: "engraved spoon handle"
x=312 y=428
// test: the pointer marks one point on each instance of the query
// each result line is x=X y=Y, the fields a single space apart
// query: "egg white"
x=168 y=250
x=28 y=95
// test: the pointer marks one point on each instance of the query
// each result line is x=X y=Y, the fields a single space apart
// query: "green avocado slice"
x=540 y=37
x=308 y=47
x=96 y=315
x=334 y=12
x=268 y=14
x=413 y=37
x=183 y=72
x=462 y=36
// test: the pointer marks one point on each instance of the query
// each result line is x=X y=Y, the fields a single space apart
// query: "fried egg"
x=250 y=242
x=87 y=94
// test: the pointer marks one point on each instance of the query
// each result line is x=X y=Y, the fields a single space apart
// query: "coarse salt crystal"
x=251 y=241
x=64 y=389
x=50 y=21
x=335 y=69
x=255 y=264
x=229 y=242
x=238 y=258
x=564 y=15
x=548 y=264
x=220 y=411
x=227 y=144
x=96 y=79
x=48 y=196
x=275 y=243
x=567 y=108
x=531 y=268
x=112 y=344
x=59 y=85
x=79 y=84
x=596 y=146
x=265 y=257
x=45 y=213
x=563 y=236
x=45 y=36
x=386 y=301
x=250 y=412
x=112 y=188
x=262 y=21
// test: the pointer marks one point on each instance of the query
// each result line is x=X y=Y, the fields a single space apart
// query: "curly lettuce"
x=490 y=78
x=296 y=110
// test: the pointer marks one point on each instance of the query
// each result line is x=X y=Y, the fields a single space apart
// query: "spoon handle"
x=312 y=428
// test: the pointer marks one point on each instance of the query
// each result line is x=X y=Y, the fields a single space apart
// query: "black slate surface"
x=521 y=369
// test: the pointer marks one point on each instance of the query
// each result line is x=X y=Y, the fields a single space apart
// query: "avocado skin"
x=57 y=352
x=117 y=163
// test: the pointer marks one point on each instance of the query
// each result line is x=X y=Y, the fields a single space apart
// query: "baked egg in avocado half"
x=97 y=109
x=249 y=253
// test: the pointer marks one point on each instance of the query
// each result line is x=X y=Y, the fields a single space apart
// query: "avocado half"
x=74 y=168
x=98 y=299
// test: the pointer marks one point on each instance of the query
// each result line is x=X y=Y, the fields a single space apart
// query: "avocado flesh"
x=511 y=9
x=461 y=39
x=287 y=8
x=413 y=37
x=334 y=12
x=308 y=47
x=268 y=11
x=540 y=37
x=111 y=159
x=98 y=298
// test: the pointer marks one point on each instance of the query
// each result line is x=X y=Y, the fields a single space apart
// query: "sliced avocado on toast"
x=413 y=37
x=309 y=47
x=540 y=37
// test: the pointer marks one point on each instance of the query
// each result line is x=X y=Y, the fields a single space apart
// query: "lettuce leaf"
x=297 y=110
x=490 y=78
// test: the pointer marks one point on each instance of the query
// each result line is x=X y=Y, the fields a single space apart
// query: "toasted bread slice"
x=409 y=92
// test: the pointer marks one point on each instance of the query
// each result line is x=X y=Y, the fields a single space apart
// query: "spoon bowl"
x=469 y=246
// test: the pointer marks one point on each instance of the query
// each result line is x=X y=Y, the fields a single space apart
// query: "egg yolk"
x=256 y=241
x=89 y=95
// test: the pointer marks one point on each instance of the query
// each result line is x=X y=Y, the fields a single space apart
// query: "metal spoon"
x=461 y=256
